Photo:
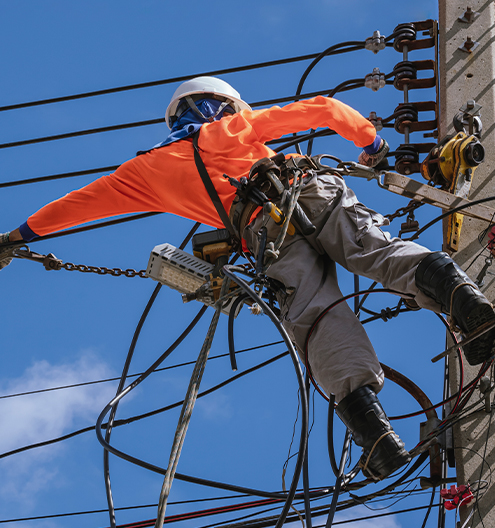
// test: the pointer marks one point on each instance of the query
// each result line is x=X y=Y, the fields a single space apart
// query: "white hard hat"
x=205 y=85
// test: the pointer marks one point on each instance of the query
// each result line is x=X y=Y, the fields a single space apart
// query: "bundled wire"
x=188 y=406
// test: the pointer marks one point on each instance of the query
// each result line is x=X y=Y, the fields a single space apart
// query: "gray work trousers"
x=340 y=354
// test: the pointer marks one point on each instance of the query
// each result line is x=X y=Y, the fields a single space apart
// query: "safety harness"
x=212 y=192
x=268 y=182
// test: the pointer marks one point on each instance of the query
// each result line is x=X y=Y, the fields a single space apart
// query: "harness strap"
x=210 y=189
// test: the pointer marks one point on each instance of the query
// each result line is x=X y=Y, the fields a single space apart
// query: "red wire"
x=202 y=513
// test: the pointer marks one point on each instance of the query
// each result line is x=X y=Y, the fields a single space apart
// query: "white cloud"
x=361 y=511
x=33 y=418
x=215 y=407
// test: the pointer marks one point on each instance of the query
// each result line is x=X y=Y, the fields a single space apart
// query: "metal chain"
x=115 y=272
x=52 y=263
x=403 y=211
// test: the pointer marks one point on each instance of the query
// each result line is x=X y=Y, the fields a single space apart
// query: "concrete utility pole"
x=467 y=72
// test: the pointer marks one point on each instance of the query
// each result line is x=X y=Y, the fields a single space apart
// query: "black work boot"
x=383 y=450
x=439 y=277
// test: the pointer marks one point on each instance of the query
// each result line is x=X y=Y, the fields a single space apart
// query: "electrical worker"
x=232 y=138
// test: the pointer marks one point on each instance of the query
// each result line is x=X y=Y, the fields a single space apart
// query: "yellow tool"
x=278 y=216
x=451 y=165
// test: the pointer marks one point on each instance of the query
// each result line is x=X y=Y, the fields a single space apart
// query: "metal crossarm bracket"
x=399 y=184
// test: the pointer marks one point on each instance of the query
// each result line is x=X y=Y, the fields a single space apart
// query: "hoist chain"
x=403 y=211
x=51 y=262
x=115 y=272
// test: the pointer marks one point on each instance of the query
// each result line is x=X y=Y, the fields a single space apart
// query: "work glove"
x=5 y=252
x=374 y=153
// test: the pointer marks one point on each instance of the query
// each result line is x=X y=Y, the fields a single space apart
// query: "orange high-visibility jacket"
x=166 y=179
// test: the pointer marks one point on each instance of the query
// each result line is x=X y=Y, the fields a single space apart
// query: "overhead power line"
x=181 y=78
x=60 y=176
x=132 y=419
x=159 y=120
x=94 y=382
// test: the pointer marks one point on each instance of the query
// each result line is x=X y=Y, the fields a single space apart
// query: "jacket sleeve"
x=320 y=111
x=122 y=192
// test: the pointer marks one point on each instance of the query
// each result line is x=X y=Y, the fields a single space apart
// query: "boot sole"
x=480 y=349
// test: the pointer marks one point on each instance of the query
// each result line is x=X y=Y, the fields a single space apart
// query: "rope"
x=373 y=448
x=187 y=408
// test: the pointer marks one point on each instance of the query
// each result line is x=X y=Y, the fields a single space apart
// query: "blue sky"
x=64 y=328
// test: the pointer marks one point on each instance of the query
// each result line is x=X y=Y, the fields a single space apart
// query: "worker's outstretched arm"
x=122 y=192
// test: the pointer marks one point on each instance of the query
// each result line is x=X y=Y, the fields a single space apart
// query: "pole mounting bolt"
x=469 y=45
x=468 y=16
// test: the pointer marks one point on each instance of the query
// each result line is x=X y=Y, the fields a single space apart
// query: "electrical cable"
x=97 y=225
x=448 y=213
x=430 y=506
x=355 y=44
x=461 y=363
x=186 y=478
x=62 y=175
x=134 y=124
x=230 y=329
x=150 y=84
x=331 y=449
x=132 y=419
x=340 y=479
x=265 y=523
x=177 y=365
x=112 y=168
x=323 y=510
x=228 y=270
x=333 y=50
x=305 y=470
x=322 y=314
x=365 y=294
x=79 y=133
x=123 y=508
x=483 y=462
x=213 y=511
x=188 y=405
x=125 y=372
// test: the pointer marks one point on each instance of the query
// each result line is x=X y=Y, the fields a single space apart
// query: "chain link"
x=115 y=272
x=403 y=211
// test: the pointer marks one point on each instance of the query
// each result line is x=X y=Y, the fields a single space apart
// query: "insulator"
x=404 y=113
x=375 y=80
x=375 y=43
x=405 y=157
x=403 y=32
x=404 y=71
